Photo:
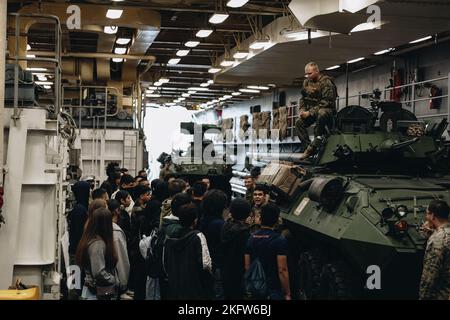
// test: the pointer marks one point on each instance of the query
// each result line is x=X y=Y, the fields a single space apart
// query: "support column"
x=3 y=18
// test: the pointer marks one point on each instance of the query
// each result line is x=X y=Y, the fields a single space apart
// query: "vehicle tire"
x=336 y=282
x=309 y=268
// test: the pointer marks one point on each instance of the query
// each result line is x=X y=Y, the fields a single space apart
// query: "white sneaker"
x=125 y=296
x=130 y=293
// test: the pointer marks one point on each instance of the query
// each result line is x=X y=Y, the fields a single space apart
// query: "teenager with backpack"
x=187 y=260
x=235 y=234
x=267 y=248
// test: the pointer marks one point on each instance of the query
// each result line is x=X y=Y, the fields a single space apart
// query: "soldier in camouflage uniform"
x=249 y=183
x=435 y=282
x=318 y=104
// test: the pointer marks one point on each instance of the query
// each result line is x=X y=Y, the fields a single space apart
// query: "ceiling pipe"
x=269 y=11
x=95 y=55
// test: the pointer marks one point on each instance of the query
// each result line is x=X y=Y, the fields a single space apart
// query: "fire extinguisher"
x=396 y=80
x=435 y=103
x=2 y=220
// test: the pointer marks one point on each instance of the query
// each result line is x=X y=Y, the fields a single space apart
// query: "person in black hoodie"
x=194 y=280
x=152 y=211
x=79 y=214
x=76 y=220
x=235 y=234
x=213 y=205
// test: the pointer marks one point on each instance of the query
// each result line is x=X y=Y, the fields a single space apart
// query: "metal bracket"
x=16 y=116
x=2 y=219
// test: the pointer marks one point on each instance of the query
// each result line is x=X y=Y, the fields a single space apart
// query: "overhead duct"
x=331 y=15
x=103 y=70
x=87 y=71
x=146 y=22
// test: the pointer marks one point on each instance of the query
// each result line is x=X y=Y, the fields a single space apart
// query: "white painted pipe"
x=3 y=18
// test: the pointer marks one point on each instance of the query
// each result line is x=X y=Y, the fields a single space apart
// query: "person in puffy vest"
x=317 y=105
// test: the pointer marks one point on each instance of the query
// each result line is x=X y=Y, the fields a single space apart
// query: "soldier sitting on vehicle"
x=318 y=104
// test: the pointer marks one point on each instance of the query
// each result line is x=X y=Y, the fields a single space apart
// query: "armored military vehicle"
x=354 y=219
x=200 y=160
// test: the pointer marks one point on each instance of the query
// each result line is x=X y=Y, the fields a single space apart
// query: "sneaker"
x=125 y=296
x=130 y=293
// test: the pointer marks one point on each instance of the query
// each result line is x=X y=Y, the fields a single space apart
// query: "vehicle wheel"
x=309 y=267
x=336 y=282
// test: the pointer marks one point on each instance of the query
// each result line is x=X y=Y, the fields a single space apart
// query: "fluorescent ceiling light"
x=259 y=44
x=149 y=91
x=114 y=13
x=42 y=78
x=181 y=99
x=214 y=101
x=217 y=18
x=120 y=50
x=173 y=61
x=227 y=63
x=182 y=53
x=421 y=39
x=37 y=69
x=258 y=87
x=383 y=51
x=222 y=99
x=47 y=87
x=236 y=3
x=110 y=29
x=203 y=33
x=192 y=44
x=240 y=54
x=249 y=90
x=198 y=89
x=28 y=47
x=186 y=95
x=333 y=67
x=236 y=93
x=163 y=80
x=192 y=91
x=227 y=96
x=355 y=60
x=123 y=41
x=210 y=81
x=302 y=34
x=157 y=84
x=152 y=88
x=31 y=56
x=214 y=70
x=117 y=59
x=170 y=103
x=153 y=95
x=204 y=84
x=43 y=83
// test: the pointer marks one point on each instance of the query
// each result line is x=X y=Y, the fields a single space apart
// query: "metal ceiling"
x=281 y=64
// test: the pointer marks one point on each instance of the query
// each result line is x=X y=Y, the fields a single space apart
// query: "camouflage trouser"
x=323 y=119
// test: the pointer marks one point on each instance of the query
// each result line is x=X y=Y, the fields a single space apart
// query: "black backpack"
x=255 y=285
x=155 y=254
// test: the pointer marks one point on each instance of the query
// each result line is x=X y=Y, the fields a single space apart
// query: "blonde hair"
x=312 y=65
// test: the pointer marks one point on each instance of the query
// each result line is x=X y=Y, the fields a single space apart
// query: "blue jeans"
x=276 y=295
x=87 y=295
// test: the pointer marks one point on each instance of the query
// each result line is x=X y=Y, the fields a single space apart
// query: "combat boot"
x=307 y=153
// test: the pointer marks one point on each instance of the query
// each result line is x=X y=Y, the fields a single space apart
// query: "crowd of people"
x=171 y=240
